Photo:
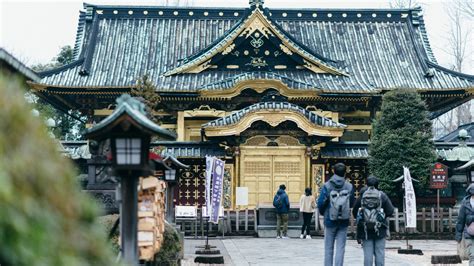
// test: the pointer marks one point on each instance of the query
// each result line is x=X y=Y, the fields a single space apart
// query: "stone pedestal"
x=267 y=220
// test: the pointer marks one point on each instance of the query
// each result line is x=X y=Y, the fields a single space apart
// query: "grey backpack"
x=339 y=208
x=373 y=215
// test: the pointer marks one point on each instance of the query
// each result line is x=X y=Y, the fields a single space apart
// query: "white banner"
x=209 y=168
x=410 y=199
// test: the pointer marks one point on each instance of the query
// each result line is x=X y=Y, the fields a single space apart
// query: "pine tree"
x=402 y=137
x=45 y=219
x=145 y=91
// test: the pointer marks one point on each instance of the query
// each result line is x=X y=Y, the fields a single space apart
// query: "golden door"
x=264 y=169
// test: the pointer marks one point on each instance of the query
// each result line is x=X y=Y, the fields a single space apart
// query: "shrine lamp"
x=129 y=131
x=170 y=175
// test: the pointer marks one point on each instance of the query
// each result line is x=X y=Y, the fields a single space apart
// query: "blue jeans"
x=336 y=234
x=374 y=247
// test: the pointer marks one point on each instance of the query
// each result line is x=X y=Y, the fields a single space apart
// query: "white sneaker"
x=308 y=237
x=278 y=237
x=301 y=236
x=284 y=237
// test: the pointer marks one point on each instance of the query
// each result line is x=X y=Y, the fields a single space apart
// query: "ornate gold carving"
x=199 y=68
x=257 y=141
x=228 y=49
x=204 y=111
x=287 y=141
x=317 y=174
x=257 y=62
x=257 y=167
x=274 y=118
x=256 y=42
x=285 y=49
x=281 y=141
x=259 y=85
x=257 y=23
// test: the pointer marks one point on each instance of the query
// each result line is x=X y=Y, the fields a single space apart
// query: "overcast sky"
x=34 y=30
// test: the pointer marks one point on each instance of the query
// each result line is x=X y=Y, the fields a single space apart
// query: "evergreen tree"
x=402 y=137
x=45 y=219
x=67 y=127
x=145 y=91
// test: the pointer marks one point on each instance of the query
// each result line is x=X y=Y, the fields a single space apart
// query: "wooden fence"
x=244 y=222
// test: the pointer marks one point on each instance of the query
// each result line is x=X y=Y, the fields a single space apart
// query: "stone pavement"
x=295 y=251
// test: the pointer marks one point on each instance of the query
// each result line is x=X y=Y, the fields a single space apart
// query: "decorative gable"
x=256 y=43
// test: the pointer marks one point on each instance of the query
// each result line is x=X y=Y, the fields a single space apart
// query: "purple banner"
x=217 y=185
x=209 y=169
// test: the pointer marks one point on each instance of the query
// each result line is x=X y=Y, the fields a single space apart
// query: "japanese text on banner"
x=410 y=199
x=209 y=169
x=217 y=186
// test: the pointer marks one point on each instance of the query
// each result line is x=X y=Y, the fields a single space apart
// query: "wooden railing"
x=244 y=222
x=428 y=221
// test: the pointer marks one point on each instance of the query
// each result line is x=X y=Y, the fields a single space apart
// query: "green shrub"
x=44 y=217
x=108 y=222
x=169 y=252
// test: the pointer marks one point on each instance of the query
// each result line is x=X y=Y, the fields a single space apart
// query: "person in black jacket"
x=282 y=206
x=464 y=225
x=373 y=243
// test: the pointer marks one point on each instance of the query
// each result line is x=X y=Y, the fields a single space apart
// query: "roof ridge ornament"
x=256 y=3
x=133 y=103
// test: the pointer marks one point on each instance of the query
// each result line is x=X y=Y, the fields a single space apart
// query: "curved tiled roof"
x=17 y=66
x=232 y=81
x=236 y=116
x=378 y=49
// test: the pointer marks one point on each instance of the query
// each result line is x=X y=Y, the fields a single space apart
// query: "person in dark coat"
x=282 y=206
x=335 y=231
x=373 y=243
x=465 y=225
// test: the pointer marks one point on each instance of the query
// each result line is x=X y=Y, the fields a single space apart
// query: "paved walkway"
x=267 y=251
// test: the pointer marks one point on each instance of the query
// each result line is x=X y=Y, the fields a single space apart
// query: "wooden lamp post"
x=129 y=132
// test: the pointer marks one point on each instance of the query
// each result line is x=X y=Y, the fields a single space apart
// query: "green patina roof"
x=126 y=105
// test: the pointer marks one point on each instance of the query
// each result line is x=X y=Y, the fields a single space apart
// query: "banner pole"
x=439 y=217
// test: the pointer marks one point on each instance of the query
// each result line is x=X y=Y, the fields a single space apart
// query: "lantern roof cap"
x=133 y=111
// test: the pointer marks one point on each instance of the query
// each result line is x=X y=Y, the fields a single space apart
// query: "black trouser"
x=307 y=222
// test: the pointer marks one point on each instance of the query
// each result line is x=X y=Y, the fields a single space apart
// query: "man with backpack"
x=371 y=211
x=282 y=206
x=334 y=202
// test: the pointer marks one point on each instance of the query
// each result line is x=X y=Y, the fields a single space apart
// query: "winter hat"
x=470 y=189
x=373 y=181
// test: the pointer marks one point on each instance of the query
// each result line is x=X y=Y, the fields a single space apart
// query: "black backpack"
x=277 y=201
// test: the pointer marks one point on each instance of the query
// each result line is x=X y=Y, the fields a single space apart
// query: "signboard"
x=185 y=211
x=410 y=199
x=439 y=176
x=242 y=196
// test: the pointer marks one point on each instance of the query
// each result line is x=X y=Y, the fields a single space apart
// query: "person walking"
x=371 y=210
x=465 y=222
x=307 y=206
x=334 y=202
x=282 y=206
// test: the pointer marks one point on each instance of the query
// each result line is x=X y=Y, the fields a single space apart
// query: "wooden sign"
x=439 y=176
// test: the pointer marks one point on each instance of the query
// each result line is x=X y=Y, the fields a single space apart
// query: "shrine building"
x=280 y=94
